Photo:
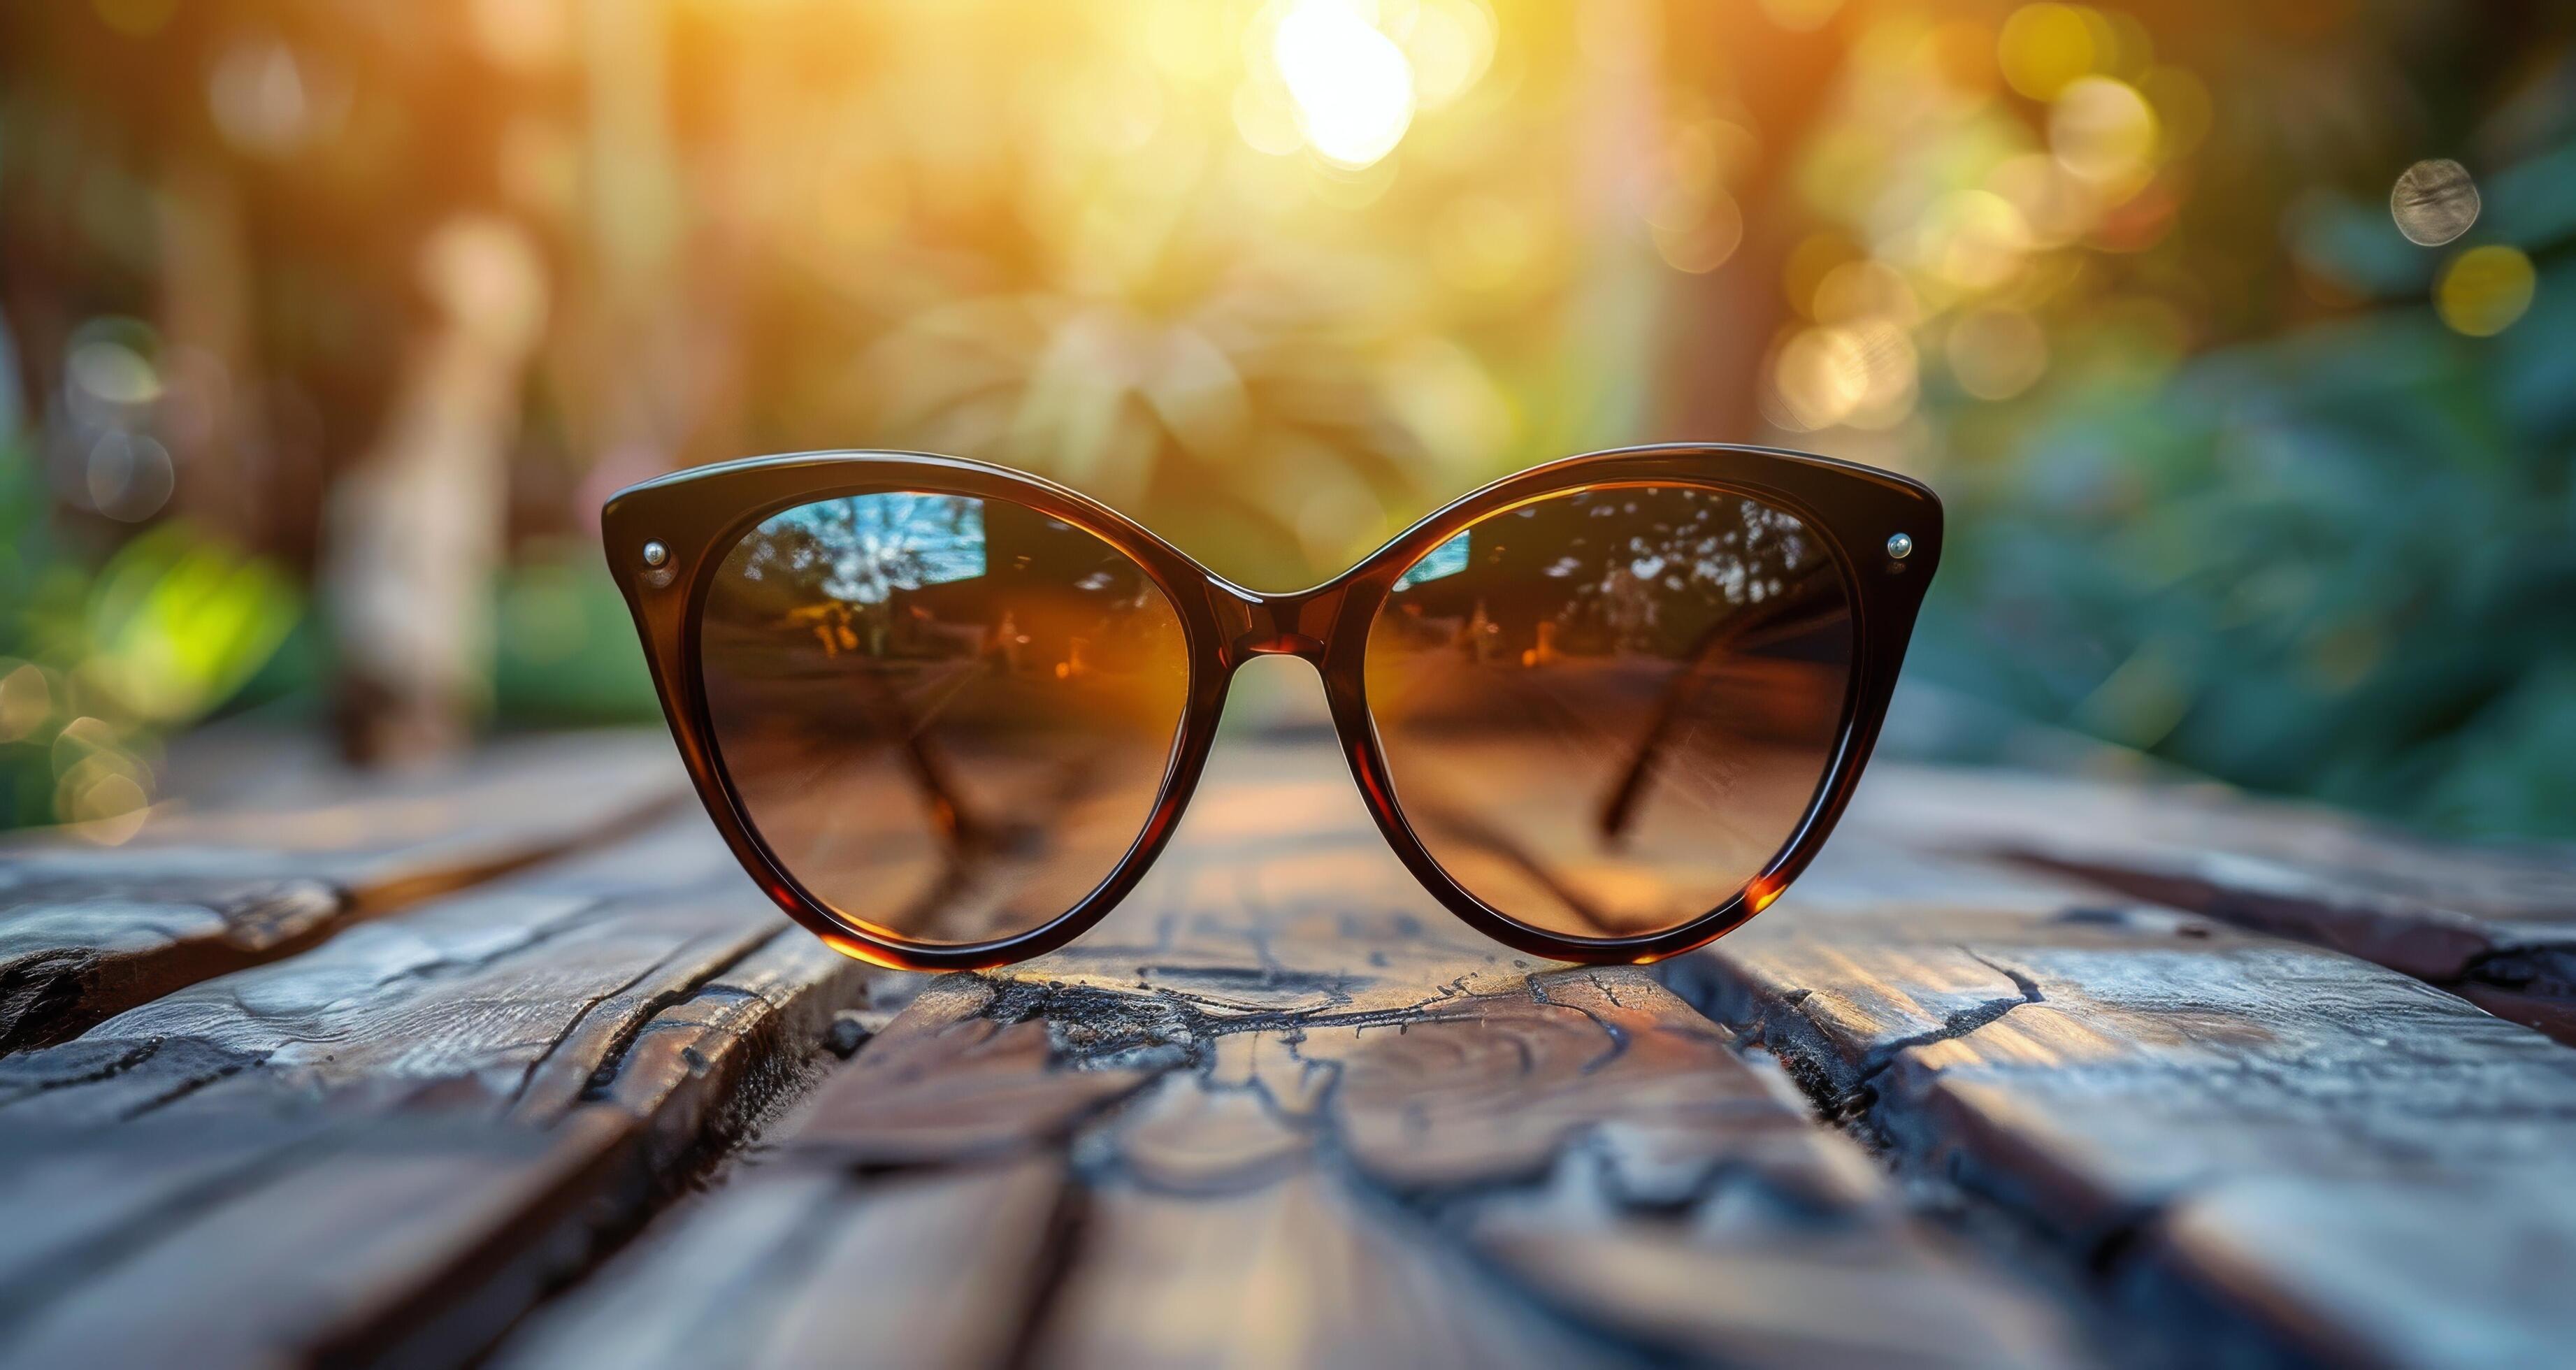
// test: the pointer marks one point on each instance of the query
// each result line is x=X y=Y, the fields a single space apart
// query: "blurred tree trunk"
x=1721 y=325
x=412 y=538
x=36 y=282
x=215 y=430
x=1621 y=279
x=633 y=271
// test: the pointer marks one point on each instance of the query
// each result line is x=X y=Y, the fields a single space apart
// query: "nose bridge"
x=1256 y=624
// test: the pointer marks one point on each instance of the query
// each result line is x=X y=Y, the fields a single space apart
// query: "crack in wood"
x=2132 y=1112
x=198 y=1063
x=1167 y=1127
x=1617 y=1038
x=85 y=934
x=612 y=1051
x=1283 y=1089
x=1092 y=1025
x=2525 y=971
x=1954 y=1026
x=74 y=951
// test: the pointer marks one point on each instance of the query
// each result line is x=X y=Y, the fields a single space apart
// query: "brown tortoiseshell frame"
x=698 y=516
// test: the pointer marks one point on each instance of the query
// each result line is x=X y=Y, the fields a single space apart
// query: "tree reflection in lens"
x=946 y=717
x=1605 y=712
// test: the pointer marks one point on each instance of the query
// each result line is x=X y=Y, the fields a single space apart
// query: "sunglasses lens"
x=947 y=718
x=1606 y=712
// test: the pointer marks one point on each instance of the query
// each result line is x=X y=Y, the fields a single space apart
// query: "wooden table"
x=513 y=1066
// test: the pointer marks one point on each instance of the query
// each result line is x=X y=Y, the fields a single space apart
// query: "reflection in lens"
x=946 y=717
x=1605 y=712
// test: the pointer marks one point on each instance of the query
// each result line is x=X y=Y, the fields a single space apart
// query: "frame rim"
x=1851 y=507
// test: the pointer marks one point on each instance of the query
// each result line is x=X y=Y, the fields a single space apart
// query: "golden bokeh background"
x=2236 y=336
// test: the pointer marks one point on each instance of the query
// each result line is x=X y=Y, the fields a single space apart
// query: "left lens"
x=947 y=718
x=1606 y=712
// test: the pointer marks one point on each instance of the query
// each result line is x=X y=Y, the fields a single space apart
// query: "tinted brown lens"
x=1604 y=713
x=946 y=717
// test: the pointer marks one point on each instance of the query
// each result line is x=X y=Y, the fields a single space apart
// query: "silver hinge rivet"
x=655 y=554
x=1900 y=546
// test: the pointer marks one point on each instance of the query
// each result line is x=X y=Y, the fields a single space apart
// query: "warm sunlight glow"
x=1352 y=85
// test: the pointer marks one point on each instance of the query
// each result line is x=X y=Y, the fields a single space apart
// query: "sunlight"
x=1352 y=85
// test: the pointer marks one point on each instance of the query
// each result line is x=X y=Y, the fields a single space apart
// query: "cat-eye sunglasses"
x=947 y=714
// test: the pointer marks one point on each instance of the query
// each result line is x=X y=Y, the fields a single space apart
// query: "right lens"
x=946 y=717
x=1607 y=711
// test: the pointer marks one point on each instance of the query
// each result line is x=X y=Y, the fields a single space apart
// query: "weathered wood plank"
x=946 y=1082
x=86 y=933
x=436 y=1115
x=343 y=1244
x=2161 y=1096
x=1292 y=1272
x=1280 y=1109
x=2495 y=925
x=1463 y=1101
x=803 y=1266
x=1644 y=1147
x=519 y=988
x=1312 y=1120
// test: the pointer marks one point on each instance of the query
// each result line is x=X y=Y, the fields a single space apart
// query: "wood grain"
x=1280 y=1109
x=2496 y=925
x=803 y=1266
x=393 y=1144
x=2163 y=1097
x=1290 y=1273
x=1309 y=1119
x=333 y=1244
x=946 y=1082
x=86 y=932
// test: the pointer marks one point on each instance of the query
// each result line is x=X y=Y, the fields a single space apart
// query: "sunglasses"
x=947 y=714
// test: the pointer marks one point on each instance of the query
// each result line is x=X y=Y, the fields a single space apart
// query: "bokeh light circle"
x=2434 y=202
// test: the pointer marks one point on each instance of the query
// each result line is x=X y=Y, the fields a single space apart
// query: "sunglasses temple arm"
x=1460 y=825
x=948 y=813
x=1619 y=807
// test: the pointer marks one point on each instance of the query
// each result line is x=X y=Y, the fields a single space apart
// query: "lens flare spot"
x=1700 y=239
x=111 y=375
x=1997 y=353
x=2056 y=206
x=262 y=97
x=1352 y=86
x=2044 y=48
x=1974 y=239
x=107 y=808
x=1451 y=46
x=26 y=700
x=1863 y=376
x=1858 y=291
x=2485 y=290
x=2103 y=131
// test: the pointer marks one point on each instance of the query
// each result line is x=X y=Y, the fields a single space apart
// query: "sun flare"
x=1352 y=85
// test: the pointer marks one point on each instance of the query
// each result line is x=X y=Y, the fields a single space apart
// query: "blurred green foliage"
x=105 y=658
x=568 y=654
x=2341 y=564
x=2333 y=554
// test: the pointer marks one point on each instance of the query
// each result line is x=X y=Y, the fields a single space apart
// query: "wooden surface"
x=86 y=932
x=2028 y=1071
x=2496 y=926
